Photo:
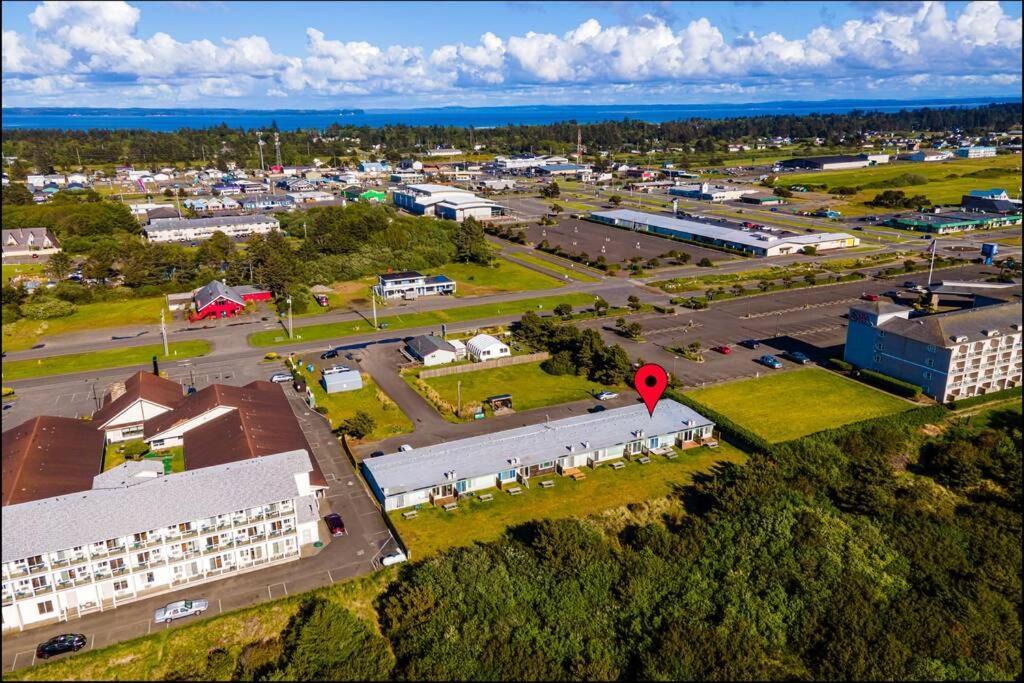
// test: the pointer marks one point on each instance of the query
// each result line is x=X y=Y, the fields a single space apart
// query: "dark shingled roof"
x=404 y=275
x=426 y=344
x=141 y=385
x=261 y=424
x=216 y=289
x=50 y=456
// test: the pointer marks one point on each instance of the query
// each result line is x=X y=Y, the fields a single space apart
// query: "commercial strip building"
x=137 y=532
x=410 y=284
x=975 y=152
x=442 y=473
x=953 y=221
x=759 y=242
x=523 y=162
x=835 y=162
x=444 y=201
x=950 y=355
x=712 y=193
x=193 y=229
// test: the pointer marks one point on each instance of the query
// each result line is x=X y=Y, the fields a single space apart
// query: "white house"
x=126 y=407
x=485 y=347
x=187 y=229
x=930 y=155
x=27 y=241
x=432 y=350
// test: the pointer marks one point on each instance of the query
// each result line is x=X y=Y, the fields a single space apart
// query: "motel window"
x=927 y=375
x=881 y=333
x=931 y=348
x=506 y=475
x=879 y=346
x=878 y=358
x=45 y=607
x=547 y=464
x=121 y=585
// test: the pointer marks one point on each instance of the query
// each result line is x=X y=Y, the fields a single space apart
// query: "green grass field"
x=558 y=267
x=400 y=322
x=390 y=421
x=788 y=405
x=504 y=276
x=100 y=360
x=529 y=385
x=941 y=188
x=24 y=333
x=434 y=530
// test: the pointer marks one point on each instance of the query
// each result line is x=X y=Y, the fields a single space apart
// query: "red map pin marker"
x=650 y=381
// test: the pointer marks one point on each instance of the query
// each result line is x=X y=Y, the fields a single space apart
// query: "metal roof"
x=142 y=503
x=490 y=453
x=753 y=239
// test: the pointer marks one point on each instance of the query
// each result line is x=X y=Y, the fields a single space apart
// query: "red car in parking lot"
x=724 y=349
x=335 y=525
x=869 y=297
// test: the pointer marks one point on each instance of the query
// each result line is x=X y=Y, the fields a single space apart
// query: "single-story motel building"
x=760 y=242
x=952 y=221
x=442 y=473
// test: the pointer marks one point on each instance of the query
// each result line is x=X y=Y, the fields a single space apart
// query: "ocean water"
x=478 y=117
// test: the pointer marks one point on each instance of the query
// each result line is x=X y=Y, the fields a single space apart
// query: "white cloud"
x=915 y=45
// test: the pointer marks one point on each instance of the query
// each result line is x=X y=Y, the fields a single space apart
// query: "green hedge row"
x=734 y=433
x=896 y=386
x=986 y=398
x=908 y=420
x=841 y=365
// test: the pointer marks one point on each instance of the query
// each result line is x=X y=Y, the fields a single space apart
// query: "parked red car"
x=335 y=525
x=724 y=349
x=869 y=297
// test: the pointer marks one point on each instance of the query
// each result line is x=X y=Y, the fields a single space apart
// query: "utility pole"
x=931 y=266
x=163 y=332
x=277 y=148
x=291 y=331
x=458 y=391
x=259 y=146
x=373 y=298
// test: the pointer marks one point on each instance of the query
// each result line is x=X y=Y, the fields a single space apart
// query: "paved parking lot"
x=615 y=244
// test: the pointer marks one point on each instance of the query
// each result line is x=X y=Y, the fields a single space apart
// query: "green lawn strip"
x=114 y=456
x=341 y=406
x=434 y=530
x=528 y=384
x=400 y=322
x=472 y=279
x=100 y=360
x=997 y=412
x=788 y=405
x=162 y=654
x=573 y=273
x=24 y=333
x=11 y=270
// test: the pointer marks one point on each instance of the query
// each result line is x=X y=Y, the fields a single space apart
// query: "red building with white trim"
x=217 y=300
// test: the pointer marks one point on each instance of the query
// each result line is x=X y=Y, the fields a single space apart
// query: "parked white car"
x=607 y=395
x=395 y=558
x=281 y=377
x=180 y=609
x=405 y=447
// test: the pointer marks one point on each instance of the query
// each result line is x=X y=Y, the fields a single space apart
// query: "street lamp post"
x=291 y=331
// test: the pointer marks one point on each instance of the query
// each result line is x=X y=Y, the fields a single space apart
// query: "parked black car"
x=750 y=343
x=330 y=353
x=58 y=645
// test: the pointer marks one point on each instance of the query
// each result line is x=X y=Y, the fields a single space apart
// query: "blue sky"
x=277 y=55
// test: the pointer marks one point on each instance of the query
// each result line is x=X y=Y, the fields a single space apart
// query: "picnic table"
x=672 y=455
x=515 y=491
x=643 y=460
x=448 y=507
x=486 y=497
x=409 y=515
x=546 y=484
x=618 y=465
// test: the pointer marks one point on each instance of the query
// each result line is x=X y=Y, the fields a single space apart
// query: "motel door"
x=443 y=491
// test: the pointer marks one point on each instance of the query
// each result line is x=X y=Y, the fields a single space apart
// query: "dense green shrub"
x=982 y=399
x=896 y=386
x=840 y=365
x=45 y=308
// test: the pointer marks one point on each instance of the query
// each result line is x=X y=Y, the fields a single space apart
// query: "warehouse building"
x=835 y=162
x=950 y=355
x=444 y=201
x=711 y=193
x=755 y=242
x=443 y=473
x=975 y=152
x=953 y=221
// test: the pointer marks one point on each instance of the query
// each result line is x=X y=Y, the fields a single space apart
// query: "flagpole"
x=931 y=266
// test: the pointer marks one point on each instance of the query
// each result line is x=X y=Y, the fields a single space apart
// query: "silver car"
x=177 y=610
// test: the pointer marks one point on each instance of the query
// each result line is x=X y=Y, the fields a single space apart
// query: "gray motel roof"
x=170 y=224
x=752 y=239
x=127 y=507
x=971 y=325
x=490 y=453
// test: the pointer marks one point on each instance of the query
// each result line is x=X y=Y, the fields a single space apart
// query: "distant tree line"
x=44 y=149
